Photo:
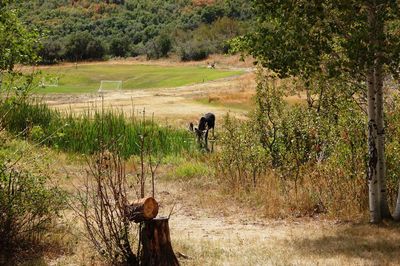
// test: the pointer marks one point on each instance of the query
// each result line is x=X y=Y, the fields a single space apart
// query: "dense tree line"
x=94 y=29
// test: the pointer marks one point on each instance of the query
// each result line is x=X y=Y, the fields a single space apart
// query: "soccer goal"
x=110 y=85
x=48 y=82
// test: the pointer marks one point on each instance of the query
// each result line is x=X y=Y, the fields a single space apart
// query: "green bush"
x=242 y=160
x=193 y=50
x=37 y=133
x=27 y=206
x=51 y=51
x=159 y=47
x=119 y=46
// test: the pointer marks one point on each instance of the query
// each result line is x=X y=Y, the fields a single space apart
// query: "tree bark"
x=156 y=244
x=381 y=170
x=373 y=184
x=396 y=215
x=373 y=181
x=142 y=210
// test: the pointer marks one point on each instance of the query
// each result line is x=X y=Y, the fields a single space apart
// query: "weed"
x=190 y=170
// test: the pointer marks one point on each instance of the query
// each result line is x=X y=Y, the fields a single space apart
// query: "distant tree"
x=51 y=51
x=95 y=49
x=193 y=50
x=76 y=45
x=159 y=47
x=211 y=13
x=120 y=46
x=164 y=44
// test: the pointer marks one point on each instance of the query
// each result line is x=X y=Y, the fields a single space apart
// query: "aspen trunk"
x=396 y=215
x=373 y=184
x=373 y=181
x=381 y=170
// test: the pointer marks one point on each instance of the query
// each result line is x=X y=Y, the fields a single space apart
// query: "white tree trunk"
x=396 y=215
x=376 y=162
x=381 y=170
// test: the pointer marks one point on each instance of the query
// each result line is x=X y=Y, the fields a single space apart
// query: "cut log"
x=156 y=244
x=142 y=210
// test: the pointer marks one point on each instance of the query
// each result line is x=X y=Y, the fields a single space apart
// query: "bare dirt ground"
x=208 y=228
x=216 y=231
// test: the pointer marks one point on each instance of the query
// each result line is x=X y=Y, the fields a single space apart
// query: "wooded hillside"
x=94 y=29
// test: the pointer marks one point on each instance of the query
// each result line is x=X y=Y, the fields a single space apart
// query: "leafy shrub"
x=37 y=133
x=193 y=50
x=27 y=206
x=119 y=47
x=242 y=159
x=393 y=146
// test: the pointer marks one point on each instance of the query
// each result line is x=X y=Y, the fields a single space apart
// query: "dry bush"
x=101 y=205
x=103 y=199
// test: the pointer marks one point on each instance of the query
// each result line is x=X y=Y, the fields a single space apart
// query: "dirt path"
x=223 y=233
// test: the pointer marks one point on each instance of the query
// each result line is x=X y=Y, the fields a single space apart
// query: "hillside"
x=94 y=29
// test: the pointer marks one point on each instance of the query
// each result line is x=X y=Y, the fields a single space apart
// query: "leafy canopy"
x=17 y=43
x=303 y=37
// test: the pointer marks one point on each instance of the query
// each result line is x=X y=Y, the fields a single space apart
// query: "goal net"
x=48 y=82
x=110 y=85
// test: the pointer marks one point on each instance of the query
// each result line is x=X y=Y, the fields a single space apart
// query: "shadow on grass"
x=35 y=254
x=369 y=243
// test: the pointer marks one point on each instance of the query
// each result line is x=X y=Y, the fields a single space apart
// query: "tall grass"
x=88 y=132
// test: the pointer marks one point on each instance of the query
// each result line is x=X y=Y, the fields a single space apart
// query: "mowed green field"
x=86 y=78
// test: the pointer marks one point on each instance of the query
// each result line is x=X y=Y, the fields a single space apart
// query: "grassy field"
x=86 y=78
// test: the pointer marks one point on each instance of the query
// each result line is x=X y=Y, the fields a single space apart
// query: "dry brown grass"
x=222 y=61
x=238 y=94
x=212 y=228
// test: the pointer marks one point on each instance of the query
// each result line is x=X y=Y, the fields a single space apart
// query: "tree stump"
x=142 y=210
x=156 y=243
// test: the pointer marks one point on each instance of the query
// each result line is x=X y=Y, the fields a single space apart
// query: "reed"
x=88 y=132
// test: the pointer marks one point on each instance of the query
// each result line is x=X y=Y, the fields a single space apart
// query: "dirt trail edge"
x=223 y=235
